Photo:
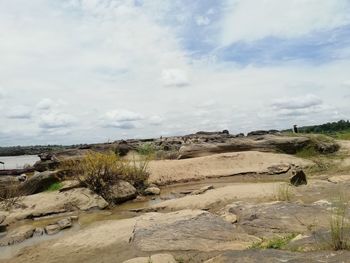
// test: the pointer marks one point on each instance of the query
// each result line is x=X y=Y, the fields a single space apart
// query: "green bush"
x=54 y=187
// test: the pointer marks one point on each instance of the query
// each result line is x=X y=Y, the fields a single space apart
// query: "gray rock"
x=52 y=229
x=122 y=191
x=17 y=235
x=2 y=218
x=152 y=191
x=158 y=258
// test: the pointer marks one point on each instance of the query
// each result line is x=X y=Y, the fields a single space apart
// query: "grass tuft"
x=54 y=187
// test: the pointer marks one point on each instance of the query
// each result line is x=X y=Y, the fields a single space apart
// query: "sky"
x=83 y=71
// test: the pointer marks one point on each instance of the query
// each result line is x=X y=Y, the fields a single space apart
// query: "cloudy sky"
x=74 y=71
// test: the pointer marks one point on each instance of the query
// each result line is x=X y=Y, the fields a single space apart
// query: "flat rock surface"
x=218 y=196
x=158 y=258
x=56 y=202
x=219 y=165
x=270 y=256
x=120 y=240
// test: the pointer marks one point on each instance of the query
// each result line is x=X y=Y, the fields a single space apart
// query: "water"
x=18 y=162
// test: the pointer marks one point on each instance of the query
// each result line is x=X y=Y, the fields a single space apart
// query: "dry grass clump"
x=340 y=224
x=284 y=192
x=10 y=196
x=100 y=171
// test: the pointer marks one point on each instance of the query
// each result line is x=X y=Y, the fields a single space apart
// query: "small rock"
x=22 y=177
x=64 y=223
x=298 y=177
x=123 y=191
x=52 y=229
x=152 y=191
x=39 y=231
x=231 y=218
x=202 y=190
x=17 y=235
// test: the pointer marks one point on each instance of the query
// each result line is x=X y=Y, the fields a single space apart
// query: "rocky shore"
x=209 y=197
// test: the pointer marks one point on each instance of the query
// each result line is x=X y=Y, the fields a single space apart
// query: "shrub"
x=146 y=149
x=54 y=187
x=100 y=171
x=10 y=197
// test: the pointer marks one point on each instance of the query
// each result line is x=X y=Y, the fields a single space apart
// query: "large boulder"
x=38 y=182
x=122 y=191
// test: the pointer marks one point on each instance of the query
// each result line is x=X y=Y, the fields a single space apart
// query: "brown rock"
x=17 y=235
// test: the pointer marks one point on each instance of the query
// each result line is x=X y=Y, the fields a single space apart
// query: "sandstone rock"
x=39 y=231
x=339 y=179
x=64 y=223
x=269 y=219
x=152 y=191
x=158 y=258
x=278 y=169
x=298 y=177
x=39 y=182
x=202 y=190
x=188 y=230
x=49 y=203
x=2 y=218
x=17 y=235
x=267 y=143
x=52 y=229
x=123 y=191
x=274 y=255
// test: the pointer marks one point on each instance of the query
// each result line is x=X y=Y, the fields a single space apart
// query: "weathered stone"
x=202 y=190
x=152 y=191
x=298 y=177
x=38 y=182
x=17 y=235
x=2 y=218
x=231 y=218
x=52 y=229
x=188 y=230
x=274 y=255
x=123 y=191
x=278 y=169
x=158 y=258
x=64 y=223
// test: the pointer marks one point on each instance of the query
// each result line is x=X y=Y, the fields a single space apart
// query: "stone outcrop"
x=266 y=143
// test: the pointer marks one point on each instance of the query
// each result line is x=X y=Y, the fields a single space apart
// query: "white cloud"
x=250 y=20
x=123 y=119
x=55 y=120
x=293 y=103
x=156 y=120
x=175 y=78
x=45 y=104
x=19 y=112
x=202 y=21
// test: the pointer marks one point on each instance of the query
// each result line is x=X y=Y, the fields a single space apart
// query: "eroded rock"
x=17 y=235
x=152 y=191
x=202 y=190
x=298 y=177
x=123 y=191
x=52 y=229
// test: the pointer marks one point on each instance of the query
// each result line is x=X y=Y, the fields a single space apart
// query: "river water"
x=17 y=162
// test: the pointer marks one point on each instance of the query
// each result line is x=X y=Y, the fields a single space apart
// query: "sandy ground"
x=218 y=165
